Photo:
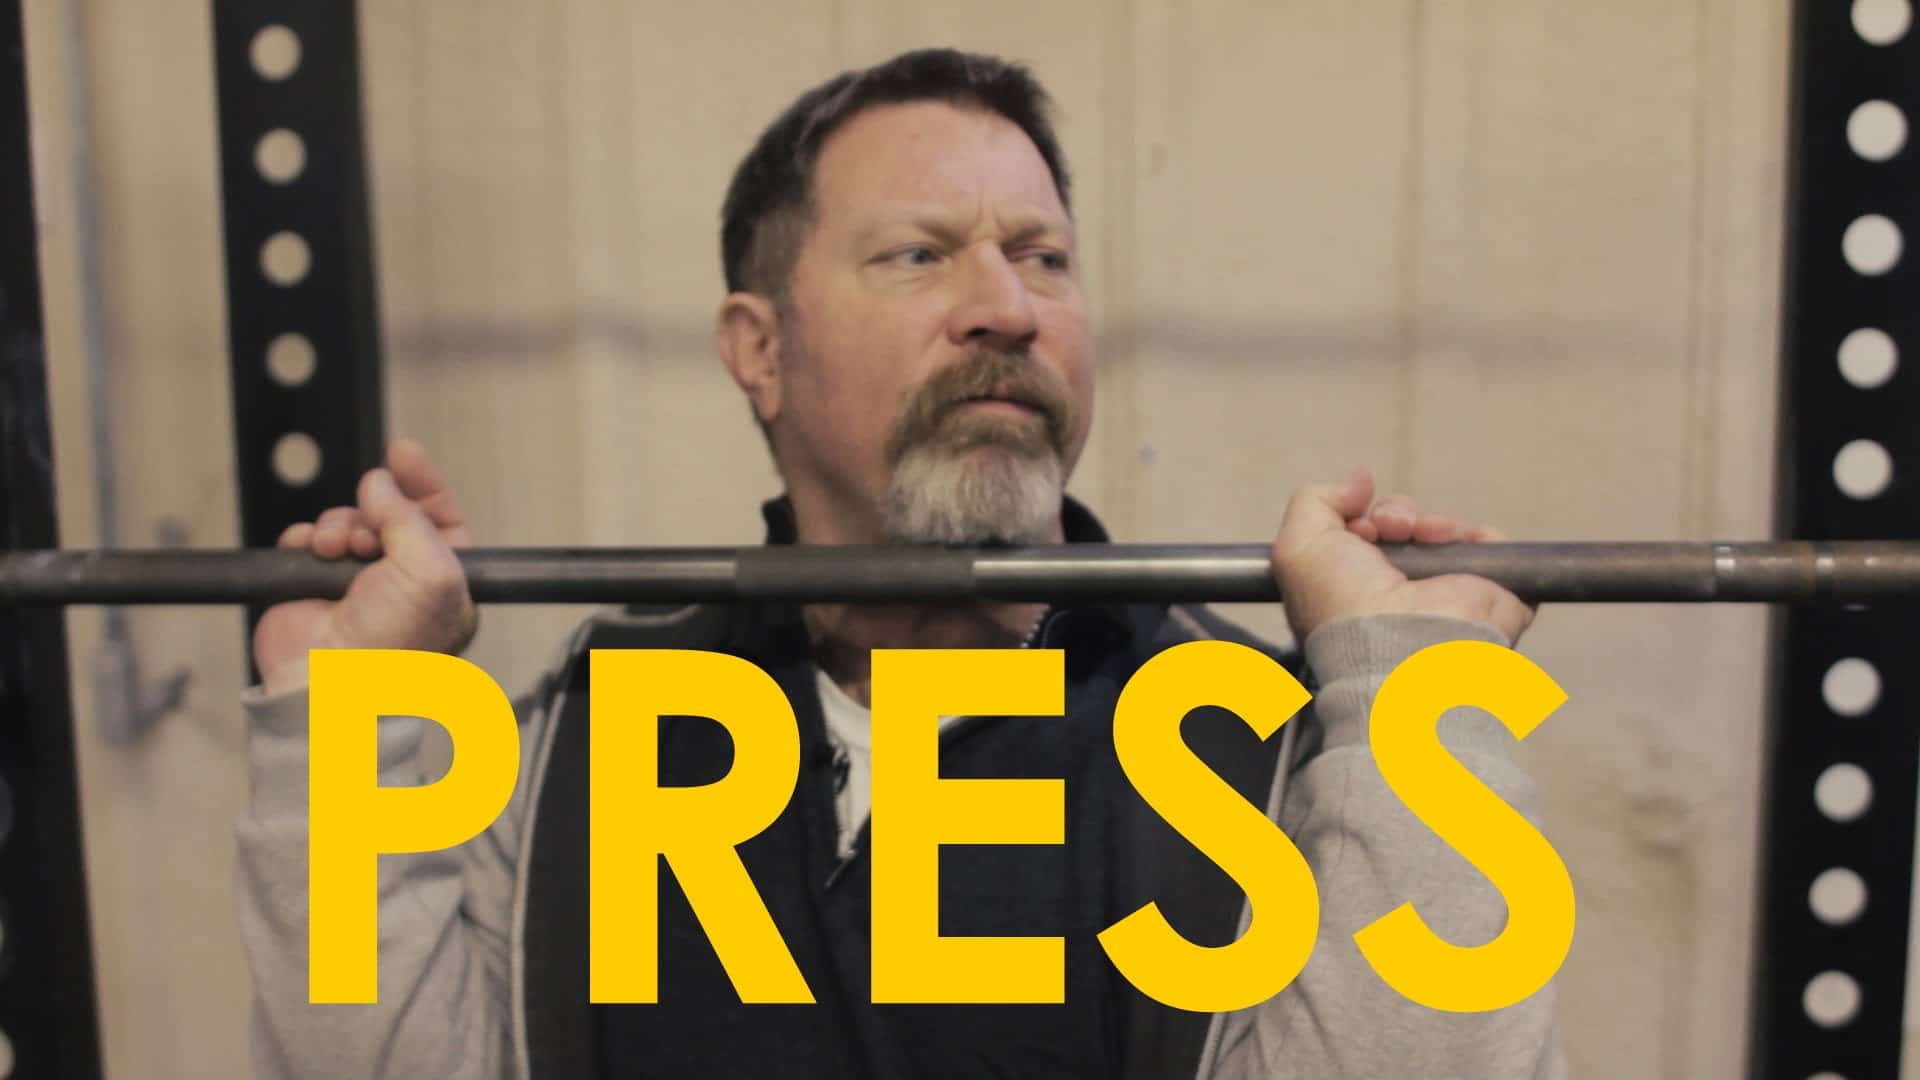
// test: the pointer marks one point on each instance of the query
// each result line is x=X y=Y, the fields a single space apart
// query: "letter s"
x=1475 y=822
x=1236 y=835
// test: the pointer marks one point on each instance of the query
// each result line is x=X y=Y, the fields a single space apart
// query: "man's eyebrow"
x=1036 y=229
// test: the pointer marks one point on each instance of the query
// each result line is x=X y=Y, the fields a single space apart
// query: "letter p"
x=354 y=820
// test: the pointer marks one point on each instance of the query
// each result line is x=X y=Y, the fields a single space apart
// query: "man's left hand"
x=1328 y=564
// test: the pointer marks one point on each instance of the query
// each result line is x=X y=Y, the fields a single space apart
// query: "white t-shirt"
x=850 y=730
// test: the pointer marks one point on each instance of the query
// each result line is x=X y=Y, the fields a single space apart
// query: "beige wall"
x=1521 y=257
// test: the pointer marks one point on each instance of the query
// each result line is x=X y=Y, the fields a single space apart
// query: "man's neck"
x=845 y=635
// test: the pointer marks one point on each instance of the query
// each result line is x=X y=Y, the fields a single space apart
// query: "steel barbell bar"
x=1795 y=572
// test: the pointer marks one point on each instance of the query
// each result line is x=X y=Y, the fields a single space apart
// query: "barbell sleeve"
x=1792 y=572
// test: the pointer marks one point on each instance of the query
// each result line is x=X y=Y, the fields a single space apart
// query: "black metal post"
x=47 y=1017
x=305 y=349
x=1830 y=961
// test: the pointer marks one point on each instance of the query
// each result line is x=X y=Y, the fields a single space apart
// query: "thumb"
x=405 y=531
x=1320 y=508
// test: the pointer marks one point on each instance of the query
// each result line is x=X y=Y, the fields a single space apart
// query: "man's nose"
x=994 y=306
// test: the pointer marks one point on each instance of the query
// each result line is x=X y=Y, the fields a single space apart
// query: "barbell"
x=1793 y=572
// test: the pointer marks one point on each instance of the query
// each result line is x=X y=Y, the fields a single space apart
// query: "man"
x=906 y=319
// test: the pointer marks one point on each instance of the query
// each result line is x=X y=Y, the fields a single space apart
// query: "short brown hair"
x=769 y=202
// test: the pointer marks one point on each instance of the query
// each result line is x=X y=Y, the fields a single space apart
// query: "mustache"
x=999 y=373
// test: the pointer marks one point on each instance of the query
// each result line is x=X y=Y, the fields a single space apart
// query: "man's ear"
x=747 y=333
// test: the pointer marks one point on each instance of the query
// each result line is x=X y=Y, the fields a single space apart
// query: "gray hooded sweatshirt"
x=453 y=997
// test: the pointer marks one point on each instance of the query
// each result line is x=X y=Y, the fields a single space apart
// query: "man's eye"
x=918 y=255
x=1058 y=261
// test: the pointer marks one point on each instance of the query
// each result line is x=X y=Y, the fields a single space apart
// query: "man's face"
x=936 y=360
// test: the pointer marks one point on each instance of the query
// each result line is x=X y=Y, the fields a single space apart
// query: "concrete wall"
x=1520 y=257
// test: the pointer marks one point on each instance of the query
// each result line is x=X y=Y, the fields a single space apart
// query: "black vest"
x=1118 y=856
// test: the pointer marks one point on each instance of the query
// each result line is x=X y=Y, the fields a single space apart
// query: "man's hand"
x=1328 y=566
x=413 y=597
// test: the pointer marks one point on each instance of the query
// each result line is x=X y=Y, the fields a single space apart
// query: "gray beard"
x=986 y=495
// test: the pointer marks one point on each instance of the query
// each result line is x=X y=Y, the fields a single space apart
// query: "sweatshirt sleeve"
x=445 y=919
x=1370 y=854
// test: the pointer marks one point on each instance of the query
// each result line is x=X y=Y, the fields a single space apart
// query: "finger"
x=1436 y=529
x=1510 y=612
x=422 y=481
x=331 y=531
x=1485 y=534
x=296 y=535
x=406 y=533
x=1365 y=529
x=1395 y=516
x=387 y=511
x=364 y=542
x=336 y=518
x=1322 y=508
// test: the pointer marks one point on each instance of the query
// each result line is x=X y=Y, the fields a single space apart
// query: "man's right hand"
x=412 y=596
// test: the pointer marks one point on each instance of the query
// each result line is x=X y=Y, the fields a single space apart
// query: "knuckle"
x=444 y=577
x=1287 y=548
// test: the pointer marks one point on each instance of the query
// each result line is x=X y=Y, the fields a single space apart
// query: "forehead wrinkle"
x=1015 y=224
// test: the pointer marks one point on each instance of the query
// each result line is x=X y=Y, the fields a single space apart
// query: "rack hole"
x=296 y=459
x=1881 y=22
x=285 y=258
x=281 y=156
x=1832 y=999
x=1838 y=896
x=275 y=53
x=1871 y=244
x=1843 y=792
x=1862 y=469
x=1868 y=358
x=291 y=360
